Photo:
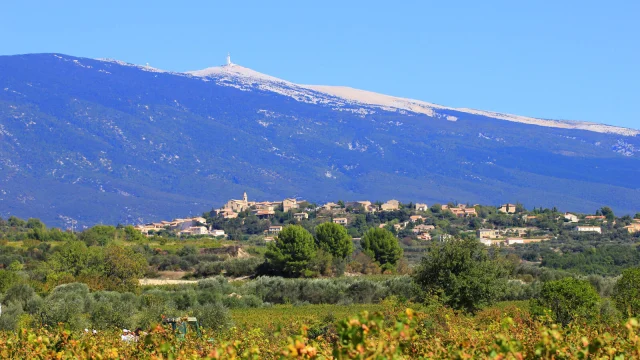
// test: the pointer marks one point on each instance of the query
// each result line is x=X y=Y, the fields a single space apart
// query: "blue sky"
x=577 y=60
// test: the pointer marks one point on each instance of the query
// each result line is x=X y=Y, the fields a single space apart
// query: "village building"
x=597 y=229
x=634 y=227
x=330 y=206
x=274 y=229
x=488 y=234
x=217 y=232
x=491 y=242
x=400 y=226
x=595 y=217
x=289 y=204
x=422 y=228
x=445 y=237
x=367 y=205
x=415 y=218
x=239 y=205
x=301 y=216
x=195 y=230
x=508 y=209
x=421 y=207
x=424 y=237
x=340 y=221
x=519 y=231
x=463 y=211
x=265 y=214
x=513 y=241
x=571 y=217
x=265 y=205
x=390 y=205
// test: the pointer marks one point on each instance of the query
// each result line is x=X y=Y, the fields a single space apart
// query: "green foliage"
x=112 y=310
x=122 y=267
x=381 y=245
x=7 y=279
x=68 y=304
x=214 y=316
x=334 y=239
x=461 y=274
x=608 y=213
x=627 y=292
x=133 y=235
x=100 y=235
x=292 y=251
x=566 y=300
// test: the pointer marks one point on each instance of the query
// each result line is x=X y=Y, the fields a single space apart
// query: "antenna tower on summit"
x=228 y=59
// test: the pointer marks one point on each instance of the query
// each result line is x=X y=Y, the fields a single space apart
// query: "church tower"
x=245 y=198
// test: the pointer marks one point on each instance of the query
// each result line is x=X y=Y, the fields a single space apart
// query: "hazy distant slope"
x=104 y=141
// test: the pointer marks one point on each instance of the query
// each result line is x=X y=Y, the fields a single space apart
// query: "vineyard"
x=389 y=331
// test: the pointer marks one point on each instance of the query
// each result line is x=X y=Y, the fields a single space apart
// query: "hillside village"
x=413 y=223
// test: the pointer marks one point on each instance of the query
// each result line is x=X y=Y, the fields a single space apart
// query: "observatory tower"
x=228 y=59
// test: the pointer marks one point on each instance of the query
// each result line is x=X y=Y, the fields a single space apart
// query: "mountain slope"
x=105 y=141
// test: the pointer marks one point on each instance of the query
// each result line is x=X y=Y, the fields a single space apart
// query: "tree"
x=122 y=267
x=98 y=235
x=35 y=224
x=131 y=234
x=637 y=216
x=292 y=251
x=8 y=279
x=608 y=213
x=16 y=222
x=334 y=239
x=381 y=245
x=567 y=299
x=461 y=274
x=626 y=292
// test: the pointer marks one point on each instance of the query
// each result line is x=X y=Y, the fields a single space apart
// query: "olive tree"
x=566 y=300
x=461 y=274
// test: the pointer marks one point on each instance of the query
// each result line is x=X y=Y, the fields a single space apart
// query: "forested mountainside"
x=105 y=141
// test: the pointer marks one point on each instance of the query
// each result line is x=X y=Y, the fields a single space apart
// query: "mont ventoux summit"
x=111 y=142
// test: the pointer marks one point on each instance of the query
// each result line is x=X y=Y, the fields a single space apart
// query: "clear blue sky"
x=577 y=60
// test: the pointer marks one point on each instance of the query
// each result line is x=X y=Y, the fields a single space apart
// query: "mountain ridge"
x=413 y=105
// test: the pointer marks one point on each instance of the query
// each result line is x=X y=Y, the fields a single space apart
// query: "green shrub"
x=212 y=316
x=566 y=300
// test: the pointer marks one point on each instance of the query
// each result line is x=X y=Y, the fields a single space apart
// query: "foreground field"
x=392 y=331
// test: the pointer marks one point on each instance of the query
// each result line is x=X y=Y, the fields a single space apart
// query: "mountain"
x=111 y=142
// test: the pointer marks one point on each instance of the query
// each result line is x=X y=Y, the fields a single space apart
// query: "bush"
x=566 y=300
x=213 y=316
x=68 y=304
x=10 y=318
x=112 y=310
x=241 y=267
